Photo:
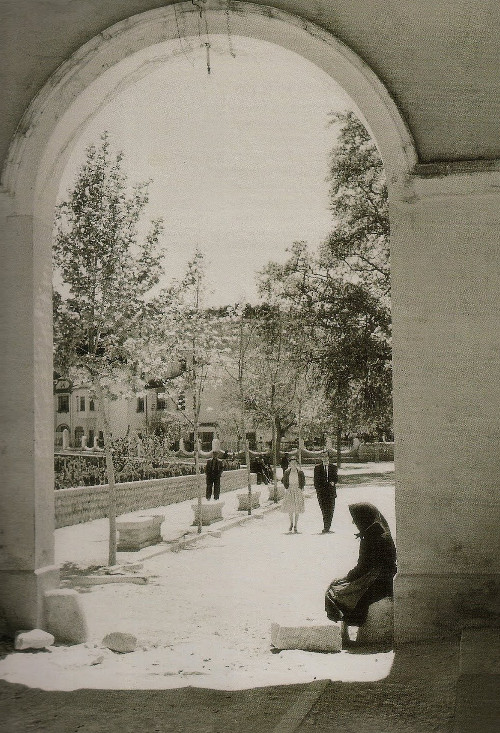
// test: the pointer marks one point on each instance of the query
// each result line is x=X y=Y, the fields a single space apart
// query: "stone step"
x=64 y=616
x=378 y=628
x=310 y=636
x=139 y=532
x=210 y=512
x=243 y=502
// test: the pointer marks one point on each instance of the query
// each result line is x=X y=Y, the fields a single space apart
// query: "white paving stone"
x=309 y=636
x=64 y=615
x=119 y=641
x=34 y=639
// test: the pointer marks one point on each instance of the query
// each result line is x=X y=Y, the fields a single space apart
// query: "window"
x=79 y=433
x=140 y=404
x=161 y=402
x=181 y=401
x=63 y=403
x=91 y=405
x=80 y=404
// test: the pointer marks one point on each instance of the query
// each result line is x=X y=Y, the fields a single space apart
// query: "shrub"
x=72 y=471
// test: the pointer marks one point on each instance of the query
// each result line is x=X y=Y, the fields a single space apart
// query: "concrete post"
x=27 y=496
x=445 y=263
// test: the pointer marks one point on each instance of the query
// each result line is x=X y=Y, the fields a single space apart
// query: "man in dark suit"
x=325 y=483
x=213 y=472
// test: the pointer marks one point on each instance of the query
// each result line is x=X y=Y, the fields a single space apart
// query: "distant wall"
x=372 y=452
x=82 y=504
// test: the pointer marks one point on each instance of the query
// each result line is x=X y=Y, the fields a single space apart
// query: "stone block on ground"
x=64 y=616
x=243 y=501
x=378 y=628
x=280 y=492
x=139 y=532
x=210 y=512
x=308 y=636
x=480 y=651
x=34 y=639
x=118 y=641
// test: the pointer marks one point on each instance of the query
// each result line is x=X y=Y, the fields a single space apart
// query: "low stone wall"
x=371 y=452
x=82 y=504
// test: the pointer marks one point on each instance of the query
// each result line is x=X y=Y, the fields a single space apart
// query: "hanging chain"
x=181 y=44
x=228 y=24
x=207 y=42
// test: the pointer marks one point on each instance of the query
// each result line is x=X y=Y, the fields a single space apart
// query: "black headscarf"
x=367 y=515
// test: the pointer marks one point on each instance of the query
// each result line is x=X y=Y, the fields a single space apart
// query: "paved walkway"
x=413 y=692
x=87 y=544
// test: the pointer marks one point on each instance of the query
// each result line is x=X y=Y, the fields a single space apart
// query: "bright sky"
x=238 y=159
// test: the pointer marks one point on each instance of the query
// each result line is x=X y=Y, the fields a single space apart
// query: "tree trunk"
x=299 y=426
x=197 y=459
x=110 y=474
x=245 y=444
x=275 y=478
x=339 y=444
x=249 y=477
x=279 y=435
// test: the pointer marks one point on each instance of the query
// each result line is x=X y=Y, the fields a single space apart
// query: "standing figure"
x=325 y=483
x=294 y=481
x=349 y=598
x=213 y=472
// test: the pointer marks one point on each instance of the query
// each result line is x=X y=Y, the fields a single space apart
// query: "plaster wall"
x=439 y=60
x=445 y=263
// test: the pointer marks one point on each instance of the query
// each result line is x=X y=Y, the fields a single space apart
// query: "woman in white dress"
x=293 y=502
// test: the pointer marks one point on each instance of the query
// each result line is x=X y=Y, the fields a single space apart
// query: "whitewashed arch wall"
x=424 y=213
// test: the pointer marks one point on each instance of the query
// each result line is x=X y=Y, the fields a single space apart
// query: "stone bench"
x=378 y=628
x=210 y=512
x=280 y=491
x=139 y=532
x=243 y=502
x=309 y=636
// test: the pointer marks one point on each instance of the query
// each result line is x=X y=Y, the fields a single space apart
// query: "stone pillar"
x=65 y=439
x=445 y=264
x=26 y=451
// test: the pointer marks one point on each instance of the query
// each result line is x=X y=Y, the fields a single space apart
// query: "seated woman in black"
x=349 y=598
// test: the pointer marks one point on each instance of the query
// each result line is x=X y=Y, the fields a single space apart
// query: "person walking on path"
x=349 y=598
x=285 y=461
x=213 y=472
x=294 y=481
x=325 y=483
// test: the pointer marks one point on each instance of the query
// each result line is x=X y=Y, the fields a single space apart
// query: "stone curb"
x=186 y=541
x=305 y=702
x=81 y=580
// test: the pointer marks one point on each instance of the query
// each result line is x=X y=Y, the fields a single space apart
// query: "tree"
x=345 y=337
x=240 y=326
x=182 y=321
x=358 y=245
x=104 y=276
x=272 y=380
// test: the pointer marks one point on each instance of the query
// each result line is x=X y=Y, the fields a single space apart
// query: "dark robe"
x=325 y=481
x=371 y=579
x=213 y=472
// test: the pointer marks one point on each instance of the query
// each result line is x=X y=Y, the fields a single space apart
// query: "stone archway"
x=424 y=208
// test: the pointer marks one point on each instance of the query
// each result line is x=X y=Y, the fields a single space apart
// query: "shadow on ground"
x=418 y=696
